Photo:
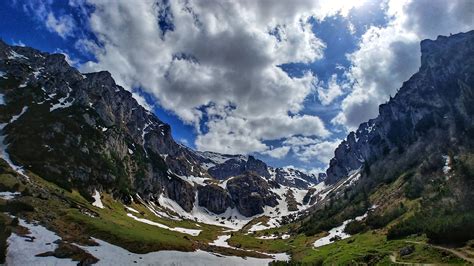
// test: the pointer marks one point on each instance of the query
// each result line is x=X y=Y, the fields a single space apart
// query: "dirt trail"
x=451 y=250
x=393 y=259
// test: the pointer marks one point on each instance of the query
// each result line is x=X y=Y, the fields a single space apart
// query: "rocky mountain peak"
x=438 y=96
x=92 y=135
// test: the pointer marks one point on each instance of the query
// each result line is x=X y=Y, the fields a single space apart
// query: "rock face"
x=439 y=96
x=214 y=198
x=83 y=131
x=235 y=167
x=295 y=178
x=251 y=193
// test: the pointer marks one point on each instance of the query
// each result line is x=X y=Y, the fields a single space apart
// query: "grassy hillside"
x=395 y=208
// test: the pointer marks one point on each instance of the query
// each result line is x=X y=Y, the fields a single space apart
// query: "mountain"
x=83 y=131
x=412 y=166
x=435 y=104
x=87 y=175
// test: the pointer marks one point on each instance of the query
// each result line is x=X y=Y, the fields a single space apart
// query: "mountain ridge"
x=373 y=138
x=93 y=135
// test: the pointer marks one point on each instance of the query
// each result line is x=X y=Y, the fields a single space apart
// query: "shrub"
x=378 y=221
x=355 y=227
x=414 y=188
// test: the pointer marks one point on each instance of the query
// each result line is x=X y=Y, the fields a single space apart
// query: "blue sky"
x=282 y=81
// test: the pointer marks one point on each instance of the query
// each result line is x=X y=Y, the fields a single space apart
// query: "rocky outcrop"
x=235 y=167
x=251 y=193
x=214 y=198
x=85 y=132
x=294 y=178
x=437 y=98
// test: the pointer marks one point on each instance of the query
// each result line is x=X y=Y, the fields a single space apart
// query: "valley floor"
x=66 y=229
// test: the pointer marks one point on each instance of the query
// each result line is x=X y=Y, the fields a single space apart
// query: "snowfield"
x=22 y=252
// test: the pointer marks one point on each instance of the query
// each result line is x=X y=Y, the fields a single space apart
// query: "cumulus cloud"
x=278 y=153
x=310 y=149
x=63 y=25
x=389 y=55
x=216 y=60
x=327 y=93
x=299 y=141
x=322 y=151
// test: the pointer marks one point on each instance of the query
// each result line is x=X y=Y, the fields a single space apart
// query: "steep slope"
x=83 y=131
x=411 y=169
x=436 y=102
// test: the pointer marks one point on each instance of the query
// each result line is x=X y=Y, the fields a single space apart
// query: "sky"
x=282 y=80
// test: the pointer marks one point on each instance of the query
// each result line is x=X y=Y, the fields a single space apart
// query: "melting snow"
x=221 y=241
x=62 y=104
x=97 y=202
x=447 y=164
x=6 y=195
x=15 y=55
x=114 y=255
x=337 y=231
x=201 y=214
x=131 y=209
x=285 y=236
x=193 y=232
x=22 y=251
x=3 y=146
x=15 y=117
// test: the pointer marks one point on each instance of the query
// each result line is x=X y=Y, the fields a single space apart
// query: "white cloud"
x=312 y=150
x=220 y=54
x=299 y=141
x=278 y=152
x=327 y=93
x=314 y=171
x=63 y=25
x=322 y=152
x=389 y=55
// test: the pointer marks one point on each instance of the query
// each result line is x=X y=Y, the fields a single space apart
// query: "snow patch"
x=22 y=251
x=447 y=164
x=193 y=232
x=15 y=55
x=97 y=201
x=231 y=218
x=221 y=241
x=63 y=103
x=131 y=209
x=337 y=231
x=2 y=99
x=15 y=117
x=6 y=195
x=3 y=145
x=113 y=255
